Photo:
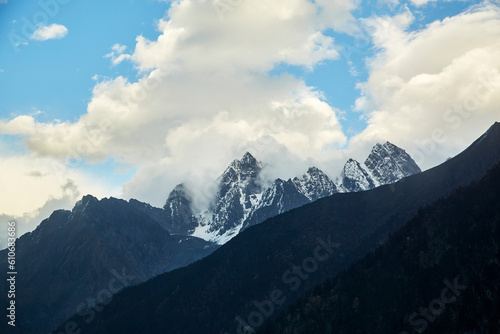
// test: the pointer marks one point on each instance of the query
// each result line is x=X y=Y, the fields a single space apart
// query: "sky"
x=130 y=98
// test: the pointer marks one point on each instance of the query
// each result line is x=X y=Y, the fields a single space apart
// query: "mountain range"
x=69 y=261
x=267 y=267
x=245 y=199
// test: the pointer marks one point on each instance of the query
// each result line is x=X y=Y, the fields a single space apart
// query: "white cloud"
x=118 y=54
x=421 y=2
x=53 y=31
x=205 y=95
x=28 y=181
x=433 y=91
x=30 y=220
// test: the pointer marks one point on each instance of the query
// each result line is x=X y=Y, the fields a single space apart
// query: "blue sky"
x=58 y=73
x=340 y=75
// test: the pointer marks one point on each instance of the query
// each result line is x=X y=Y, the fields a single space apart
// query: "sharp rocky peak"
x=246 y=165
x=315 y=184
x=178 y=192
x=388 y=163
x=180 y=218
x=242 y=173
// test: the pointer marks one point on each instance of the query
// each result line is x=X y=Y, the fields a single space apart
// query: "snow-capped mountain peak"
x=239 y=190
x=243 y=199
x=315 y=184
x=389 y=163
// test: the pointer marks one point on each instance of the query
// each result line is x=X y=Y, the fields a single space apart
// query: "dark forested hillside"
x=439 y=274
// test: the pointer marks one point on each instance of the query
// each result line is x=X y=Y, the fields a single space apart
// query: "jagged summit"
x=239 y=190
x=86 y=199
x=247 y=166
x=249 y=159
x=315 y=184
x=180 y=218
x=178 y=192
x=388 y=163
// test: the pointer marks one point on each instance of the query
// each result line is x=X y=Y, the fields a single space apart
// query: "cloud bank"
x=206 y=94
x=432 y=91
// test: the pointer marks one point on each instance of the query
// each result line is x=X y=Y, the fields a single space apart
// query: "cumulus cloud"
x=205 y=95
x=432 y=91
x=53 y=31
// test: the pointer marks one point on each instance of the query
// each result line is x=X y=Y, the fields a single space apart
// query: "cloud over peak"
x=205 y=89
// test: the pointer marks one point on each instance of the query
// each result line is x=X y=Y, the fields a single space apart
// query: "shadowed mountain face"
x=439 y=274
x=76 y=259
x=268 y=266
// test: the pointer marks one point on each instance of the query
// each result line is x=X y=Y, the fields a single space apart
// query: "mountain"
x=315 y=184
x=239 y=191
x=244 y=199
x=386 y=164
x=77 y=258
x=266 y=267
x=180 y=218
x=439 y=274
